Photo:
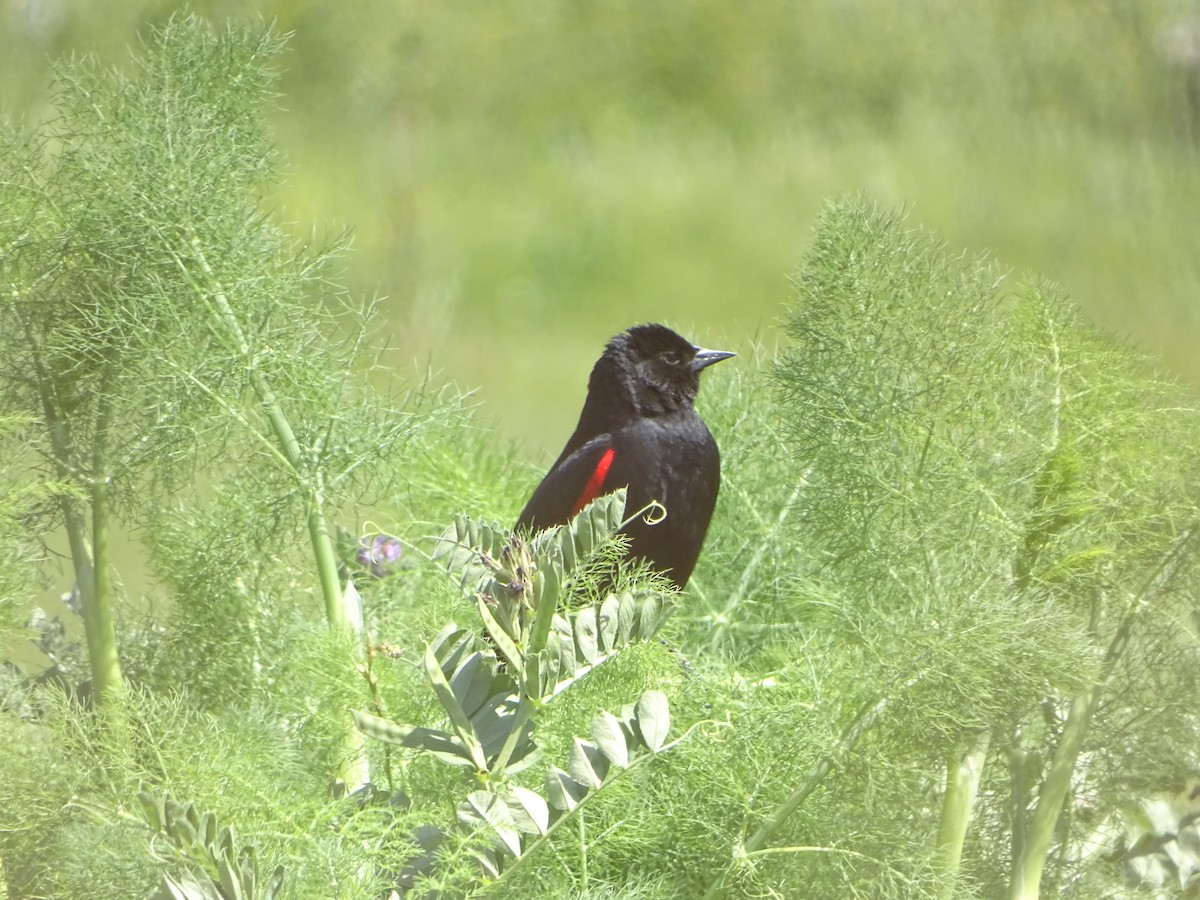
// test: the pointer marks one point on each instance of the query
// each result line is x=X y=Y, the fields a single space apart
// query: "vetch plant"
x=536 y=647
x=213 y=864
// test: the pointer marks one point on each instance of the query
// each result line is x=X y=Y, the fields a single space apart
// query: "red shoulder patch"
x=595 y=484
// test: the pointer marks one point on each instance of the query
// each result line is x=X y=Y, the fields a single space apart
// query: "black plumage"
x=639 y=429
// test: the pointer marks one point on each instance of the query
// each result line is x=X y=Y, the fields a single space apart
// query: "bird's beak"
x=705 y=358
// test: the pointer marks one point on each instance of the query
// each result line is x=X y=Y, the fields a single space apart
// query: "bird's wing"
x=571 y=485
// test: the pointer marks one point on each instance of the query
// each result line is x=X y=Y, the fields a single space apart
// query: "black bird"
x=639 y=429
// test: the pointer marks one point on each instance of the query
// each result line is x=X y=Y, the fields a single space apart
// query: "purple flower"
x=379 y=553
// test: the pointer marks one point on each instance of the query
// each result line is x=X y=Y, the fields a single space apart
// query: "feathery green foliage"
x=161 y=329
x=981 y=497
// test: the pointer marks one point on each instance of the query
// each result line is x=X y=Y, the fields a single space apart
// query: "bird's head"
x=652 y=369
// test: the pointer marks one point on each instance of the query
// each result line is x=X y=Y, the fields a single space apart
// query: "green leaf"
x=226 y=842
x=493 y=724
x=186 y=888
x=459 y=720
x=586 y=764
x=486 y=809
x=470 y=552
x=474 y=682
x=526 y=756
x=501 y=636
x=247 y=867
x=207 y=829
x=607 y=619
x=276 y=883
x=445 y=745
x=586 y=633
x=576 y=541
x=610 y=738
x=653 y=719
x=563 y=554
x=548 y=583
x=564 y=792
x=529 y=810
x=154 y=809
x=626 y=618
x=542 y=671
x=352 y=604
x=228 y=880
x=651 y=611
x=179 y=824
x=561 y=647
x=488 y=860
x=451 y=646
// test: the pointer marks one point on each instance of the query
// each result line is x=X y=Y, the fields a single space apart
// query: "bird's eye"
x=671 y=357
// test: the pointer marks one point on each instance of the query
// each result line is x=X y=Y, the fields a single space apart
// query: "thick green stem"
x=107 y=683
x=89 y=561
x=338 y=609
x=962 y=784
x=1027 y=872
x=1018 y=771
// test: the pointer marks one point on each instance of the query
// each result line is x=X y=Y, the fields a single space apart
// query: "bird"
x=639 y=430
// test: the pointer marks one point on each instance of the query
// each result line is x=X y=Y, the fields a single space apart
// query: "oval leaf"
x=653 y=719
x=607 y=733
x=498 y=632
x=564 y=793
x=528 y=810
x=485 y=808
x=549 y=585
x=447 y=746
x=472 y=684
x=153 y=808
x=606 y=631
x=451 y=646
x=585 y=633
x=651 y=612
x=459 y=720
x=586 y=764
x=626 y=617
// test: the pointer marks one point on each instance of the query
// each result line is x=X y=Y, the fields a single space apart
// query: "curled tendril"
x=652 y=513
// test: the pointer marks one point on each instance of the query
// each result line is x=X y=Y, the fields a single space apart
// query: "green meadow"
x=524 y=179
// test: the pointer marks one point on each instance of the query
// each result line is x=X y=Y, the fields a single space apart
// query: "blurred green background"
x=523 y=179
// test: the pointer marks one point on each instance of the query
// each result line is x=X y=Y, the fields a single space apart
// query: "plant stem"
x=1027 y=872
x=336 y=612
x=962 y=784
x=583 y=853
x=1019 y=781
x=341 y=610
x=90 y=563
x=97 y=615
x=853 y=732
x=1028 y=867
